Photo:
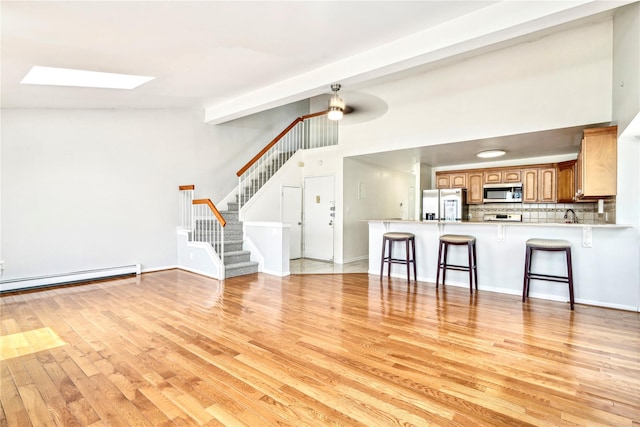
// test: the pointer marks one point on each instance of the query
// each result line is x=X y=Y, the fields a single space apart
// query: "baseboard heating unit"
x=66 y=278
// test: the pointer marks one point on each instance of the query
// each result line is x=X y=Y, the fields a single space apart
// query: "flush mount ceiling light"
x=336 y=104
x=491 y=153
x=80 y=78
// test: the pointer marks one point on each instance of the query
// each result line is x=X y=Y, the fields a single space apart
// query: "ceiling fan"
x=337 y=106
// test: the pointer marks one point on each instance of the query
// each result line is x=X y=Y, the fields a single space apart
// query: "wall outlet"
x=1 y=264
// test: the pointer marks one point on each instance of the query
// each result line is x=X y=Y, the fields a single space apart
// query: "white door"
x=319 y=215
x=291 y=213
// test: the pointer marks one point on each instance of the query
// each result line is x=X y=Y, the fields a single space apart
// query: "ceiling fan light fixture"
x=491 y=153
x=336 y=104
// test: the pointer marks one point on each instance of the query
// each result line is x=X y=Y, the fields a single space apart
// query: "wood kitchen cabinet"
x=530 y=185
x=596 y=167
x=458 y=180
x=498 y=176
x=442 y=180
x=492 y=176
x=566 y=183
x=475 y=193
x=451 y=180
x=512 y=176
x=539 y=185
x=547 y=185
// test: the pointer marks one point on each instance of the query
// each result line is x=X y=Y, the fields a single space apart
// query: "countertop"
x=516 y=224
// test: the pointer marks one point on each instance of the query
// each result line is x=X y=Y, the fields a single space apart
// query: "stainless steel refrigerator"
x=445 y=205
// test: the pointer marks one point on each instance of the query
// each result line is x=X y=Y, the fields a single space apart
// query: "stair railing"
x=208 y=225
x=186 y=197
x=310 y=131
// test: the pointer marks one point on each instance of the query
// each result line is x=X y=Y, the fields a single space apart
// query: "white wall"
x=264 y=206
x=626 y=64
x=561 y=80
x=84 y=189
x=93 y=189
x=234 y=143
x=371 y=192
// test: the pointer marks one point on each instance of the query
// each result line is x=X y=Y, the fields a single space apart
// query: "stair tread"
x=230 y=253
x=241 y=264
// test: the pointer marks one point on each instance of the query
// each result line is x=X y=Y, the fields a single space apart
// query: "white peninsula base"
x=606 y=258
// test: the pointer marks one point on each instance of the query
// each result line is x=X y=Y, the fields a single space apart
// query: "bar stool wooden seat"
x=410 y=254
x=555 y=245
x=457 y=239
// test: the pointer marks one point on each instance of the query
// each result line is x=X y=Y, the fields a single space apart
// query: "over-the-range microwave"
x=503 y=193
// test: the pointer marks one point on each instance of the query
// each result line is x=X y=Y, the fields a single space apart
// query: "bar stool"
x=457 y=239
x=547 y=245
x=407 y=238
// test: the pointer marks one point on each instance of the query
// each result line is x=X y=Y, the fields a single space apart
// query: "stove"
x=502 y=217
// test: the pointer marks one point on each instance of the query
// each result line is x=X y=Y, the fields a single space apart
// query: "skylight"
x=80 y=78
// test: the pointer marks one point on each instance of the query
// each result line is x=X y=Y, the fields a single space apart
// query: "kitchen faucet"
x=566 y=216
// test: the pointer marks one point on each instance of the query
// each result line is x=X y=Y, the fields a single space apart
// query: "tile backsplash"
x=587 y=213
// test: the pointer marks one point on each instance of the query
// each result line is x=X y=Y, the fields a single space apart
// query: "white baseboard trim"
x=353 y=259
x=68 y=277
x=196 y=271
x=154 y=269
x=277 y=273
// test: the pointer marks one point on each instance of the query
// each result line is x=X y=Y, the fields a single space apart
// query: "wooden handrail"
x=187 y=187
x=213 y=209
x=278 y=138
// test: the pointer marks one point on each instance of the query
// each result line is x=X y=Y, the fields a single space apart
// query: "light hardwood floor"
x=174 y=348
x=311 y=266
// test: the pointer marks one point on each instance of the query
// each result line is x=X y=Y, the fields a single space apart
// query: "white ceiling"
x=234 y=58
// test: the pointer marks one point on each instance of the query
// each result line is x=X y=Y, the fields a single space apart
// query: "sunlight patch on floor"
x=28 y=342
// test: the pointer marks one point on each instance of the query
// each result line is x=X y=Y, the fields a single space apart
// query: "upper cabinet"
x=497 y=176
x=566 y=190
x=443 y=180
x=596 y=167
x=547 y=185
x=475 y=193
x=592 y=176
x=451 y=180
x=530 y=185
x=539 y=185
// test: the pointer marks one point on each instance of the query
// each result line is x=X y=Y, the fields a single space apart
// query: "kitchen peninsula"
x=601 y=272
